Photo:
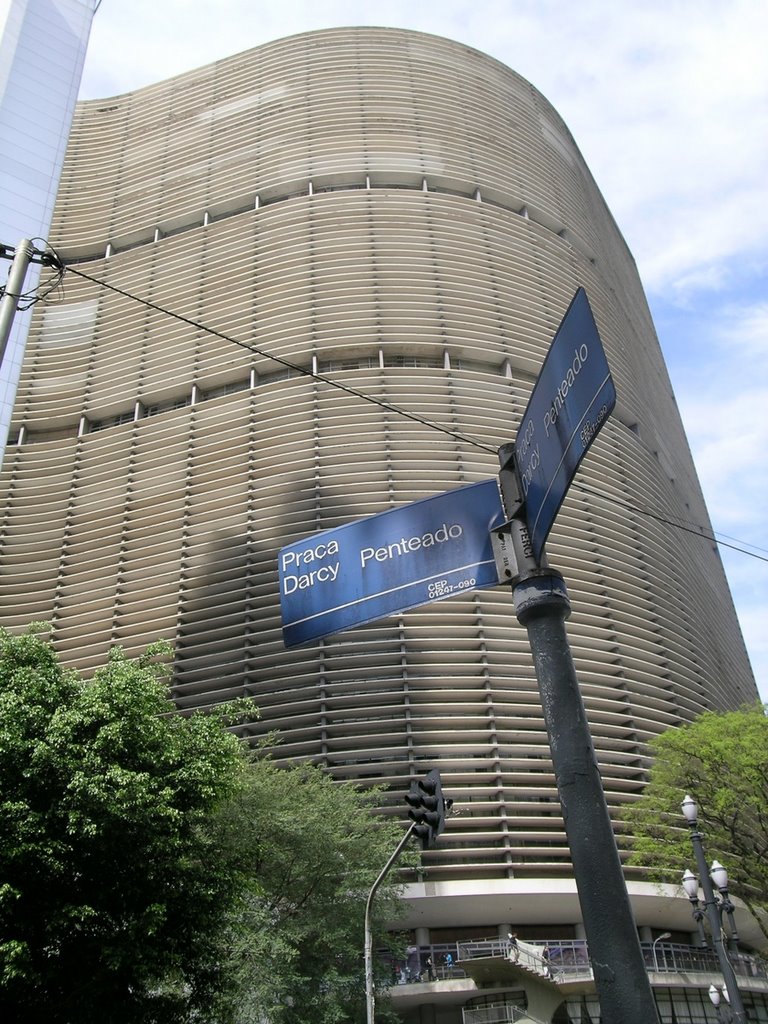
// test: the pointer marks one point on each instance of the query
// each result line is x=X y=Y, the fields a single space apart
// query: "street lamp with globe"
x=716 y=996
x=713 y=909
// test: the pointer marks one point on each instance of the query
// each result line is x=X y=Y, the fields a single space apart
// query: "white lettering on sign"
x=407 y=545
x=579 y=358
x=524 y=443
x=526 y=475
x=296 y=560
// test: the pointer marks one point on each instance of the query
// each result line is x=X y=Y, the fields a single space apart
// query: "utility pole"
x=13 y=290
x=542 y=606
x=428 y=810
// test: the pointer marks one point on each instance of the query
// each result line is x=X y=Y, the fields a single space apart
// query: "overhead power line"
x=692 y=528
x=696 y=531
x=305 y=371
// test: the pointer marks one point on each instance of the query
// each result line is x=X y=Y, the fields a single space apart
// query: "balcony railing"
x=565 y=960
x=499 y=1013
x=678 y=959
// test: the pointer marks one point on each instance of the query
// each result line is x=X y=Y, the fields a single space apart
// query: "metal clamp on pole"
x=542 y=594
x=511 y=494
x=516 y=550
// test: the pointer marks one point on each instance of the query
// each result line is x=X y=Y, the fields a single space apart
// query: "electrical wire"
x=303 y=370
x=697 y=531
x=694 y=529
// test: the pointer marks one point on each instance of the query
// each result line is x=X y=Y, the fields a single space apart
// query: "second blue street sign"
x=571 y=400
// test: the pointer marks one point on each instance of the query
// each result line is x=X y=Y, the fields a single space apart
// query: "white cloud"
x=724 y=403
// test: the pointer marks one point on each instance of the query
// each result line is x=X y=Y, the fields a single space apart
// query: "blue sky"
x=668 y=102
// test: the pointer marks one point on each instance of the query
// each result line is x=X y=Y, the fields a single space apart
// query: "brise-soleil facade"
x=406 y=216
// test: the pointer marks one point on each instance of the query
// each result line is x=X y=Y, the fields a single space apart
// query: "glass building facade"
x=42 y=49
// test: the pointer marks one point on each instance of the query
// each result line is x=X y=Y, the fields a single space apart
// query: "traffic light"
x=428 y=808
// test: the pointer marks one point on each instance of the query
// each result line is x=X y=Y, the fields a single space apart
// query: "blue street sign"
x=422 y=552
x=571 y=400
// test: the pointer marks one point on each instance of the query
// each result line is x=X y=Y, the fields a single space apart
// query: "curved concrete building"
x=407 y=217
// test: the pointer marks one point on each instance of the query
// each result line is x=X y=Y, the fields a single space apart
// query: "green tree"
x=154 y=870
x=112 y=882
x=721 y=760
x=315 y=849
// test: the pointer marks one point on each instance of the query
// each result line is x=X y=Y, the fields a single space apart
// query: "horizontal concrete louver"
x=416 y=218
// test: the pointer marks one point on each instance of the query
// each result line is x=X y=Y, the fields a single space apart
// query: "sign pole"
x=542 y=606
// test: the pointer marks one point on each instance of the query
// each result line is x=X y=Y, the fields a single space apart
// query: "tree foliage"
x=154 y=870
x=721 y=760
x=315 y=849
x=110 y=881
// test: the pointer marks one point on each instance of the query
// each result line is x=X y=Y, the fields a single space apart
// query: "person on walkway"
x=545 y=958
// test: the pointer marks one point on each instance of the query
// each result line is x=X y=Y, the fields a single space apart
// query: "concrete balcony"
x=547 y=973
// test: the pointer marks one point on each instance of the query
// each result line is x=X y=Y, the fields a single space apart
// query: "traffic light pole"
x=369 y=988
x=542 y=606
